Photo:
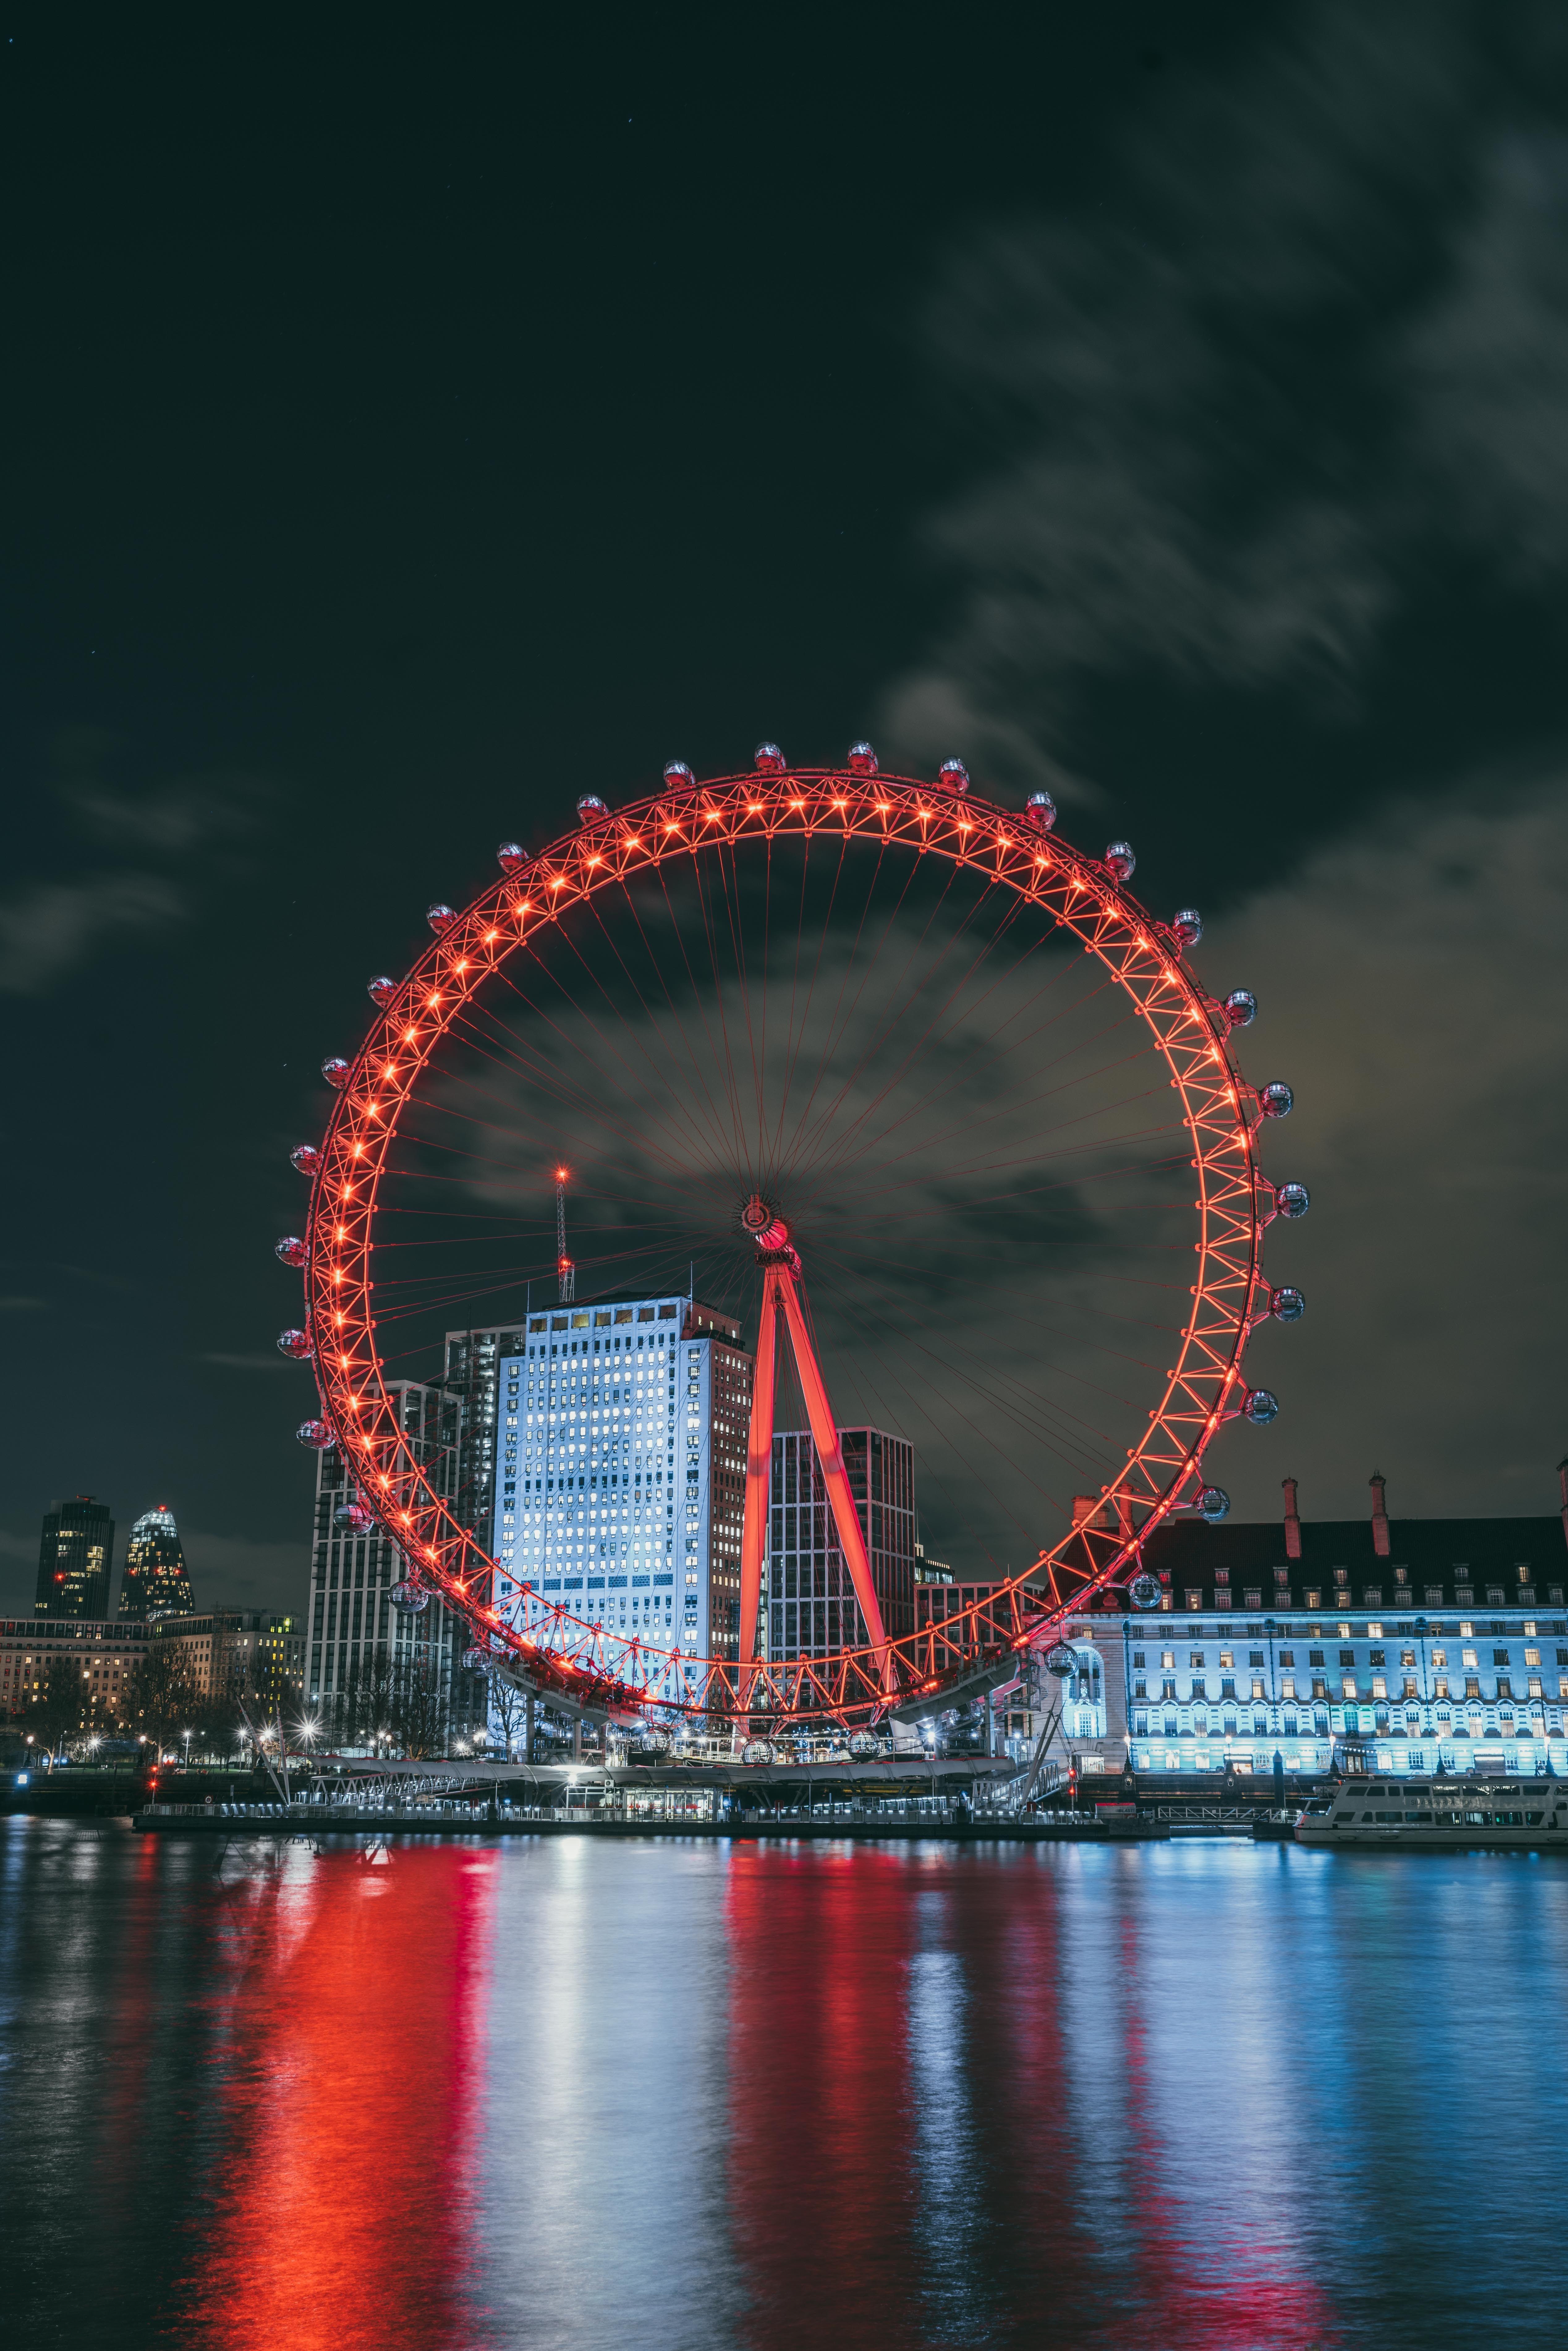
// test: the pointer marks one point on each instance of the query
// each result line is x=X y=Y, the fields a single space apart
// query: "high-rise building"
x=154 y=1581
x=809 y=1607
x=367 y=1663
x=622 y=1482
x=74 y=1559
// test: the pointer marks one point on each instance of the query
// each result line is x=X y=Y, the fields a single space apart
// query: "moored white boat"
x=1441 y=1813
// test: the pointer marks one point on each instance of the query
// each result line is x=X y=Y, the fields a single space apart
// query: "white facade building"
x=622 y=1432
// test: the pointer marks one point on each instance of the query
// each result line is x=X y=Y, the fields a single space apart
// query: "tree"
x=60 y=1705
x=163 y=1697
x=419 y=1711
x=508 y=1711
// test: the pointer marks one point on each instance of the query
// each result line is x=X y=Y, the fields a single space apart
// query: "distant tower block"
x=155 y=1581
x=566 y=1272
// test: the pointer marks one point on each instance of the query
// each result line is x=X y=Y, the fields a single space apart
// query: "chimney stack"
x=1292 y=1523
x=1379 y=1514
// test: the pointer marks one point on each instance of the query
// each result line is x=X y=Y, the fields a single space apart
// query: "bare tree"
x=61 y=1704
x=508 y=1712
x=419 y=1711
x=162 y=1696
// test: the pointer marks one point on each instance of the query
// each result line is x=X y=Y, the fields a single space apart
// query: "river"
x=447 y=2096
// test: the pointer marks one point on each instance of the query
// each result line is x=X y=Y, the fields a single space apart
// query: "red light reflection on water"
x=347 y=2120
x=921 y=2154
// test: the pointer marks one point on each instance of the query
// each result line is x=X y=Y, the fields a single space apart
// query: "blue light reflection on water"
x=689 y=2095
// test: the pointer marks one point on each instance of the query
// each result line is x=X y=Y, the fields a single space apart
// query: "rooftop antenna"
x=566 y=1272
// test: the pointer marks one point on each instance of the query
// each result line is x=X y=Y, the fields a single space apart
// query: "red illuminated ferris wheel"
x=915 y=1093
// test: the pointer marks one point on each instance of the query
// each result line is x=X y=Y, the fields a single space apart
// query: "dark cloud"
x=51 y=930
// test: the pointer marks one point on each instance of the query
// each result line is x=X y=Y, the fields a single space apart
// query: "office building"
x=154 y=1581
x=104 y=1651
x=244 y=1653
x=74 y=1559
x=370 y=1667
x=809 y=1609
x=1411 y=1644
x=623 y=1484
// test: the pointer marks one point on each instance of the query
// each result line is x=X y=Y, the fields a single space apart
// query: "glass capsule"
x=1119 y=857
x=291 y=1249
x=758 y=1751
x=474 y=1660
x=295 y=1343
x=1287 y=1305
x=1041 y=811
x=1213 y=1504
x=1143 y=1591
x=1241 y=1008
x=1292 y=1200
x=955 y=775
x=678 y=773
x=440 y=917
x=768 y=759
x=380 y=990
x=335 y=1070
x=863 y=1746
x=862 y=759
x=1188 y=927
x=316 y=1432
x=1275 y=1099
x=509 y=856
x=1261 y=1405
x=306 y=1157
x=353 y=1518
x=409 y=1596
x=590 y=807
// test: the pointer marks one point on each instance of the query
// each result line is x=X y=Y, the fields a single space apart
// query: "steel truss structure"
x=590 y=1669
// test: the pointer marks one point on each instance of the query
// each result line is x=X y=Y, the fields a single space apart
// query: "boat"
x=1496 y=1815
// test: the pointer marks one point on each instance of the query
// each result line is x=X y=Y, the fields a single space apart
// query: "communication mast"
x=566 y=1272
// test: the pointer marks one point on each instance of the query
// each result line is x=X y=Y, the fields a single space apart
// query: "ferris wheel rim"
x=1085 y=896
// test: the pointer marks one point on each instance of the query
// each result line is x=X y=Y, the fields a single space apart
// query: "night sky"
x=409 y=429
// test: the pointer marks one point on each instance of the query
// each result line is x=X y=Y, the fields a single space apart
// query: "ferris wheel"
x=907 y=1096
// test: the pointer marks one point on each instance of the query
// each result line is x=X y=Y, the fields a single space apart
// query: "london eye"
x=914 y=1121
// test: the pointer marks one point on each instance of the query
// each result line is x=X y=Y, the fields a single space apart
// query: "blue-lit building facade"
x=1416 y=1644
x=623 y=1427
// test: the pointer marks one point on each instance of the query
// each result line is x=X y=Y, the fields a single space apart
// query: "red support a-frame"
x=779 y=1288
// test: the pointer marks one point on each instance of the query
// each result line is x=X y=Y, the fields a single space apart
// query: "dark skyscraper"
x=74 y=1559
x=155 y=1581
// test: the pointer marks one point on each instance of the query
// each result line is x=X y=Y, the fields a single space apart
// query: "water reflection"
x=558 y=2094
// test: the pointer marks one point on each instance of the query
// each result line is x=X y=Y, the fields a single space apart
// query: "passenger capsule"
x=353 y=1518
x=589 y=808
x=1041 y=811
x=474 y=1661
x=1213 y=1504
x=1287 y=1305
x=409 y=1596
x=380 y=990
x=1292 y=1200
x=291 y=1249
x=440 y=918
x=297 y=1343
x=756 y=1751
x=955 y=775
x=863 y=1746
x=862 y=759
x=1261 y=1405
x=335 y=1070
x=1188 y=927
x=1143 y=1591
x=1119 y=857
x=306 y=1157
x=677 y=774
x=1275 y=1099
x=768 y=759
x=510 y=855
x=317 y=1433
x=1241 y=1008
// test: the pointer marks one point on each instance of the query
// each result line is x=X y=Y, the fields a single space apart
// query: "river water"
x=558 y=2093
